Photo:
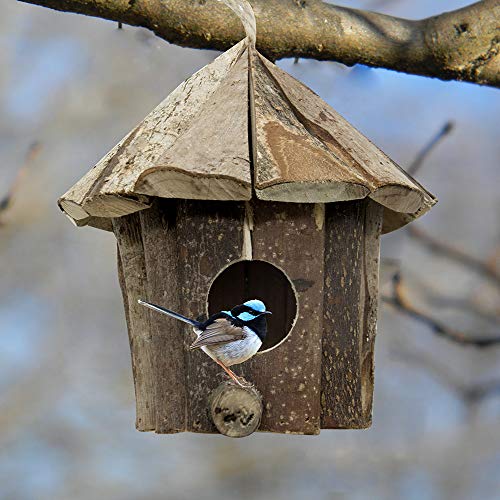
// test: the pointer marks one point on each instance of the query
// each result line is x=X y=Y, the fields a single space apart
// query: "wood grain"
x=235 y=411
x=210 y=159
x=184 y=138
x=307 y=152
x=350 y=313
x=209 y=237
x=370 y=296
x=321 y=375
x=158 y=225
x=133 y=282
x=289 y=376
x=195 y=145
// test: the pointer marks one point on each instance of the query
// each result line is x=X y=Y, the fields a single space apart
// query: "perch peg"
x=235 y=411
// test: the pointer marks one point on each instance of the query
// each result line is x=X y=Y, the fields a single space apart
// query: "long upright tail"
x=170 y=313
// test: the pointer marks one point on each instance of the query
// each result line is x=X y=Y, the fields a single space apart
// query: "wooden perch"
x=458 y=45
x=235 y=411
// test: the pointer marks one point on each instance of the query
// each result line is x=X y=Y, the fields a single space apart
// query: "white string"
x=245 y=12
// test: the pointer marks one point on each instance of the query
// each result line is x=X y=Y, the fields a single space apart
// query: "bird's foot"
x=242 y=382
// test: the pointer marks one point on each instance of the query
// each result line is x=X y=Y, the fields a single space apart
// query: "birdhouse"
x=243 y=184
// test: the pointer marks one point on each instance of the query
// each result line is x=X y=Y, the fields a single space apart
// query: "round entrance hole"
x=257 y=279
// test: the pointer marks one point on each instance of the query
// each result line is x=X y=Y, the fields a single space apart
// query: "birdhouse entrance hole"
x=257 y=279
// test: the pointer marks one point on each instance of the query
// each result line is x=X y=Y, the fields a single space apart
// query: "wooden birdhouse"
x=245 y=184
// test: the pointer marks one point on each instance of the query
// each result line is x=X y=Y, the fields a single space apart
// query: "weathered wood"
x=183 y=246
x=133 y=282
x=146 y=160
x=235 y=411
x=374 y=214
x=341 y=384
x=350 y=306
x=302 y=390
x=158 y=225
x=289 y=376
x=209 y=237
x=210 y=160
x=292 y=163
x=308 y=153
x=195 y=145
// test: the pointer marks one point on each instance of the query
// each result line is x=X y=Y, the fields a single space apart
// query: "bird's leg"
x=230 y=372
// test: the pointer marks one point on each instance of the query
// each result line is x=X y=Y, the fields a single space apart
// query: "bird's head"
x=249 y=310
x=253 y=314
x=256 y=306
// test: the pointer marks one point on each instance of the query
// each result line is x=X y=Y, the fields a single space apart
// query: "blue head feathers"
x=256 y=305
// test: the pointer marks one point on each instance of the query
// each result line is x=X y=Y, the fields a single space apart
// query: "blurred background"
x=70 y=88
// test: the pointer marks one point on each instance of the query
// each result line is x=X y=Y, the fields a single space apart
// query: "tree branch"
x=403 y=304
x=471 y=394
x=436 y=245
x=460 y=45
x=426 y=150
x=6 y=200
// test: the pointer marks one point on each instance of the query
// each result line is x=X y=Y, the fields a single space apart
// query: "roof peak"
x=195 y=145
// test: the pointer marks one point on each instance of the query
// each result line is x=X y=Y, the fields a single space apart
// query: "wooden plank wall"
x=352 y=233
x=321 y=376
x=289 y=376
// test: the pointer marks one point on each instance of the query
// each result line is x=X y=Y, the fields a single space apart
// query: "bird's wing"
x=221 y=331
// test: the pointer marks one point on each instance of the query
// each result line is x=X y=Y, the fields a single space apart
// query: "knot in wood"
x=236 y=411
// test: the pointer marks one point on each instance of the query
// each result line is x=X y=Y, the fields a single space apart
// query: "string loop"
x=245 y=12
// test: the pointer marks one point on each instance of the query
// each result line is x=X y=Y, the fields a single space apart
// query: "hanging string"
x=245 y=12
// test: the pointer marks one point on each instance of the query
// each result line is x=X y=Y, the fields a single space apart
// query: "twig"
x=486 y=269
x=463 y=304
x=31 y=154
x=401 y=302
x=470 y=393
x=424 y=152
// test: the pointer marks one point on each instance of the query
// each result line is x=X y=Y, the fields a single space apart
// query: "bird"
x=228 y=337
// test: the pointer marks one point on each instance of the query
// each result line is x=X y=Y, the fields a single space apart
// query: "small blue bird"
x=228 y=337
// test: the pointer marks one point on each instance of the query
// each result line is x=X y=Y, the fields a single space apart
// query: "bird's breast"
x=236 y=351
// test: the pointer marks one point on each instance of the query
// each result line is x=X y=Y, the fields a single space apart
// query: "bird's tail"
x=170 y=313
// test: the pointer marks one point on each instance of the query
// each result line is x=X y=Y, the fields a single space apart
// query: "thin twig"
x=424 y=152
x=470 y=393
x=400 y=301
x=463 y=304
x=31 y=154
x=486 y=269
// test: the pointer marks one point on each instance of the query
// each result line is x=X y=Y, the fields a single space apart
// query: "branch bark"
x=460 y=45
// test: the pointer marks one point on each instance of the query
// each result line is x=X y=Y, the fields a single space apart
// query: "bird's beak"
x=267 y=312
